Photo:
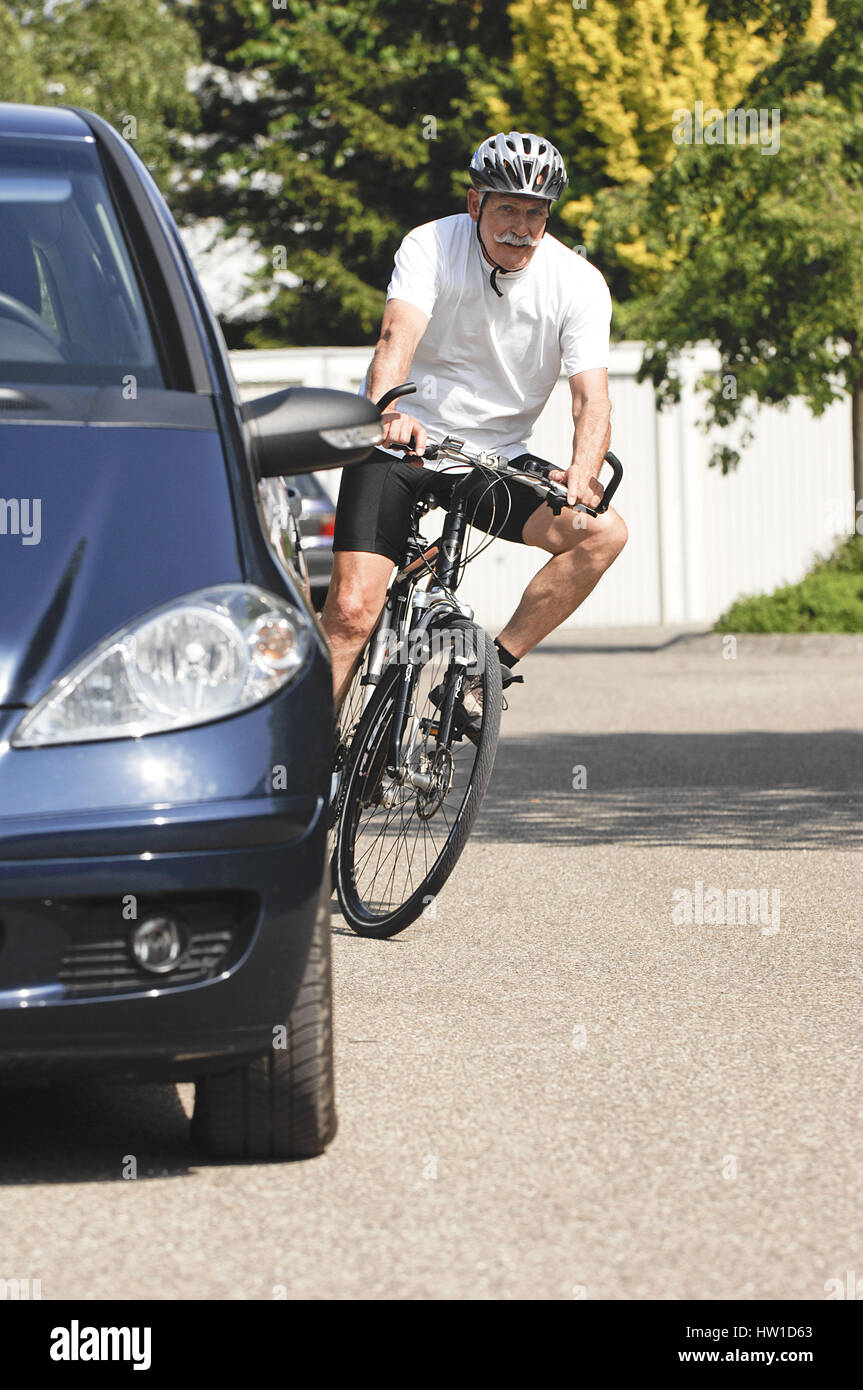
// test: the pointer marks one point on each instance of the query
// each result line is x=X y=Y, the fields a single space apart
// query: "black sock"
x=506 y=658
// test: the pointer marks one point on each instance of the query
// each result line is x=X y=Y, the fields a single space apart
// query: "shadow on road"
x=617 y=645
x=88 y=1131
x=758 y=790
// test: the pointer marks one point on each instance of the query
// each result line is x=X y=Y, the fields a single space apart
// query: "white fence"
x=697 y=540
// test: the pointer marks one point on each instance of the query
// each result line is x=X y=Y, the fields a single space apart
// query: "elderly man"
x=483 y=310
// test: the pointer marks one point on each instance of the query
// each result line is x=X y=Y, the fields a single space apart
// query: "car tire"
x=282 y=1105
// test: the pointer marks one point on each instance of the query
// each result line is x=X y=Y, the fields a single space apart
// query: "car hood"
x=99 y=524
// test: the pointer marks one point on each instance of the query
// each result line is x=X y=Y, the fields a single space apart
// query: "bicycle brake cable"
x=492 y=535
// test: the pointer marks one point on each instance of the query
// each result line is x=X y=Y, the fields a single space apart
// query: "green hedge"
x=828 y=599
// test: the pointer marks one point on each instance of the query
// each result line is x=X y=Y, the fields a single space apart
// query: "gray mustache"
x=510 y=239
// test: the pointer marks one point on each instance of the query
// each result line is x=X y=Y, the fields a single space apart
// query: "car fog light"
x=159 y=944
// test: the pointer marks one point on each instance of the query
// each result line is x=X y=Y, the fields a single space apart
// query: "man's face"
x=512 y=225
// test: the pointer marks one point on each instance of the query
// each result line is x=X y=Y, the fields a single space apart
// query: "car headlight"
x=212 y=653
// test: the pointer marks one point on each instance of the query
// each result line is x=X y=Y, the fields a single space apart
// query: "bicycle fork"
x=406 y=724
x=392 y=624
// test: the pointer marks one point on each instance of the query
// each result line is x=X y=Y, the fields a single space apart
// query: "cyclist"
x=482 y=310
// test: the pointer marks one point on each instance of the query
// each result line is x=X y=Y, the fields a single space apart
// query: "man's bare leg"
x=357 y=593
x=580 y=557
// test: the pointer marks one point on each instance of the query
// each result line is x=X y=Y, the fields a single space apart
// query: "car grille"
x=105 y=966
x=84 y=943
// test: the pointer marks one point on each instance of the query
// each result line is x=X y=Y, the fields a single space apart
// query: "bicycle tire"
x=371 y=738
x=348 y=721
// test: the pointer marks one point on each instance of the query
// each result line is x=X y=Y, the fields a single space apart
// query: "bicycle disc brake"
x=440 y=771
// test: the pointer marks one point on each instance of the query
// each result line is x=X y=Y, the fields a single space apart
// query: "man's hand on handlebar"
x=402 y=429
x=581 y=485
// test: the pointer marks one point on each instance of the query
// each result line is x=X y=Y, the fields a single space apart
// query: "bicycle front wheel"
x=399 y=839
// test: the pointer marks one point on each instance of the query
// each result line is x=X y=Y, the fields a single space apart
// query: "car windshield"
x=71 y=311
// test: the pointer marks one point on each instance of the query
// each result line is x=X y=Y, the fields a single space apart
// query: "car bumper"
x=76 y=880
x=159 y=1029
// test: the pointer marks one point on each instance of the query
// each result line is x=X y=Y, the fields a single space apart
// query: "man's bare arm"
x=591 y=416
x=402 y=327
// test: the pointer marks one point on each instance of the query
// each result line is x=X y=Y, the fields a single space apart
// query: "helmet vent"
x=521 y=163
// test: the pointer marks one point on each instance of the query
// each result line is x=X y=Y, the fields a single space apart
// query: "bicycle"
x=407 y=769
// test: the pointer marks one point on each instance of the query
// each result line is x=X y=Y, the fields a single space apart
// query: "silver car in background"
x=317 y=522
x=303 y=500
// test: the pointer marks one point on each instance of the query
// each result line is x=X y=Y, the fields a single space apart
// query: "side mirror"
x=306 y=428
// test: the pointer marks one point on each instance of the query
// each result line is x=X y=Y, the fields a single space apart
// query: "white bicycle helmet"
x=518 y=163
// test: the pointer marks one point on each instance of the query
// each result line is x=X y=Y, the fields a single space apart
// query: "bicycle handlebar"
x=408 y=389
x=532 y=469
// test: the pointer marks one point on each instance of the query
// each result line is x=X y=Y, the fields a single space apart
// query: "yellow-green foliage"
x=23 y=78
x=603 y=81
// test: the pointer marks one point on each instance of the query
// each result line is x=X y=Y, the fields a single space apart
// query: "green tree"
x=328 y=131
x=127 y=62
x=23 y=78
x=603 y=80
x=766 y=245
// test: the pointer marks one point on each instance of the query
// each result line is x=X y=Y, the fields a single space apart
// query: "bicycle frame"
x=408 y=610
x=405 y=618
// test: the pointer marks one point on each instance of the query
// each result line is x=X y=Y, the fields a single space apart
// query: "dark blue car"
x=165 y=696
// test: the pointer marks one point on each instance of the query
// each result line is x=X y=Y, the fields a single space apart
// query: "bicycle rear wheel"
x=397 y=844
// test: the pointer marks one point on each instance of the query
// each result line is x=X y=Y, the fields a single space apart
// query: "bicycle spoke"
x=395 y=857
x=380 y=841
x=420 y=828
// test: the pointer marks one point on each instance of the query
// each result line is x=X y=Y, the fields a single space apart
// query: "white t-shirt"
x=485 y=366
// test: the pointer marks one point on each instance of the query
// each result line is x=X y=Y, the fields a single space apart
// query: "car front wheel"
x=282 y=1105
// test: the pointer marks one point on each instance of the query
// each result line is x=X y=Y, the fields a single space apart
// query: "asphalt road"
x=555 y=1087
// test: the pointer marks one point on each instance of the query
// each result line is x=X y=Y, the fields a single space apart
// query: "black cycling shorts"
x=376 y=498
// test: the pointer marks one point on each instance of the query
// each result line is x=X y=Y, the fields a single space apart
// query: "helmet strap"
x=498 y=269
